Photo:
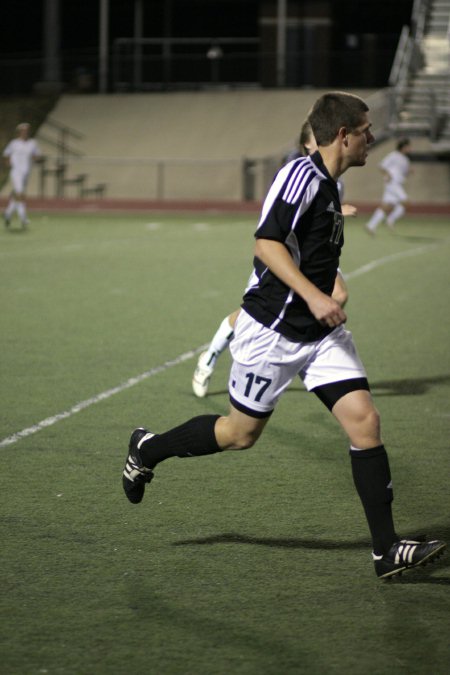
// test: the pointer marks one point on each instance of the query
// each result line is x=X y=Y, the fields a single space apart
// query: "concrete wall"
x=192 y=145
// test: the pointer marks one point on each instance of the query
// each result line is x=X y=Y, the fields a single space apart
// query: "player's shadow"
x=414 y=386
x=322 y=545
x=420 y=239
x=17 y=230
x=273 y=542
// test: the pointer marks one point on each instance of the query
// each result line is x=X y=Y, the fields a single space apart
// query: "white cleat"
x=202 y=375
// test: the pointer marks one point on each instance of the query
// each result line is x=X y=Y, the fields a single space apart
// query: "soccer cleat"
x=405 y=554
x=135 y=474
x=6 y=220
x=202 y=375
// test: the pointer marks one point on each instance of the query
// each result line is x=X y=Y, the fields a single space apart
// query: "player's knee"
x=370 y=421
x=243 y=440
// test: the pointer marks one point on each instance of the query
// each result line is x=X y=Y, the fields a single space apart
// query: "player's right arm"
x=276 y=257
x=7 y=156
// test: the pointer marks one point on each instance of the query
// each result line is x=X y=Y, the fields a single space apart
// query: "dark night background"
x=353 y=24
x=22 y=20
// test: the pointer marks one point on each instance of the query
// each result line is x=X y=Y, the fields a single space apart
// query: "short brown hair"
x=402 y=143
x=335 y=110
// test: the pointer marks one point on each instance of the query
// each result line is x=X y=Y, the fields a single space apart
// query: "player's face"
x=24 y=133
x=358 y=142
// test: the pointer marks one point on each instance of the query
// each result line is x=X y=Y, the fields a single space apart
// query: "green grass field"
x=253 y=563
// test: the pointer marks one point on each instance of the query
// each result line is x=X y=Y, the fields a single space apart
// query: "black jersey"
x=302 y=210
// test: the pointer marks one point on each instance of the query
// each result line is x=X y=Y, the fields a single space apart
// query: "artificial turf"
x=250 y=563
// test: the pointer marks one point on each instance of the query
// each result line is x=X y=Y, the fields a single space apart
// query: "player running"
x=290 y=325
x=19 y=154
x=395 y=167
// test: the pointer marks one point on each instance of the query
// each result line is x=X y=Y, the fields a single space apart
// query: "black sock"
x=372 y=478
x=191 y=439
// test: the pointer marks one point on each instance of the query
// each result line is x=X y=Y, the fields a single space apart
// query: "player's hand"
x=327 y=311
x=349 y=210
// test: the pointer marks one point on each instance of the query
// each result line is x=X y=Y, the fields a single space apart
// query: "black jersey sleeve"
x=289 y=197
x=278 y=222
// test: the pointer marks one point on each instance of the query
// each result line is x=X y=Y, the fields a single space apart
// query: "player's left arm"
x=340 y=290
x=37 y=156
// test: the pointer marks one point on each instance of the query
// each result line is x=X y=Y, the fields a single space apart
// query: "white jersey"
x=396 y=164
x=21 y=154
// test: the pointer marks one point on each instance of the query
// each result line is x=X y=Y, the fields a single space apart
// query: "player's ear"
x=343 y=135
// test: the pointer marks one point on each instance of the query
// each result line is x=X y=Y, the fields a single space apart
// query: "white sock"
x=377 y=218
x=12 y=205
x=21 y=210
x=397 y=213
x=220 y=341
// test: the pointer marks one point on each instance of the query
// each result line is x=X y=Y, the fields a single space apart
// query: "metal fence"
x=200 y=63
x=156 y=179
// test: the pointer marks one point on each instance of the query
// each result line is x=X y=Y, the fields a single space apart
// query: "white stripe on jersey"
x=299 y=181
x=304 y=175
x=301 y=188
x=292 y=244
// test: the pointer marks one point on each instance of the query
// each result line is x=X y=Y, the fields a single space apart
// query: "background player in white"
x=222 y=337
x=19 y=155
x=395 y=167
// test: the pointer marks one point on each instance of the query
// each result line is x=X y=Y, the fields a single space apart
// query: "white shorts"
x=19 y=180
x=265 y=363
x=394 y=194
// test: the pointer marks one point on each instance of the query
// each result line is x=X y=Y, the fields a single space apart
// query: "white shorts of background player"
x=394 y=193
x=19 y=180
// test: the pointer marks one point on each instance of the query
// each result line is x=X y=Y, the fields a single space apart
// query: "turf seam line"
x=132 y=381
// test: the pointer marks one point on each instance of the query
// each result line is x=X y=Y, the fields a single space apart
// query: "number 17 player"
x=290 y=325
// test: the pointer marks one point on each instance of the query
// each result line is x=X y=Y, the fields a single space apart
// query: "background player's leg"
x=395 y=214
x=207 y=360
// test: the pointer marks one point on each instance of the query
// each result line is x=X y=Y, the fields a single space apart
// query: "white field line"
x=393 y=257
x=49 y=421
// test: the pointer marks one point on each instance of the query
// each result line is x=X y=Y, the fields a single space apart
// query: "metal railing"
x=158 y=178
x=408 y=55
x=139 y=64
x=58 y=168
x=420 y=77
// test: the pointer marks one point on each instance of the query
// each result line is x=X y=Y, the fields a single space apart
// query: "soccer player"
x=395 y=167
x=208 y=359
x=19 y=155
x=290 y=325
